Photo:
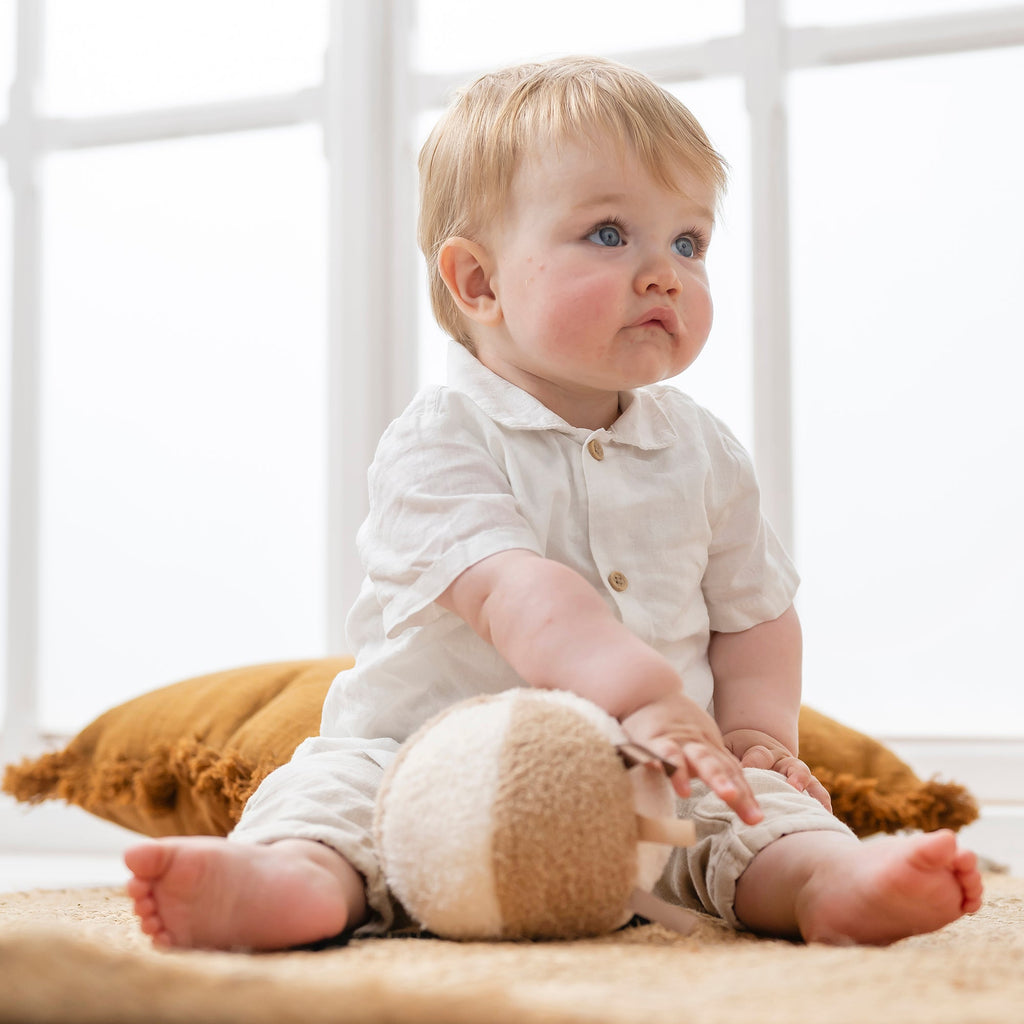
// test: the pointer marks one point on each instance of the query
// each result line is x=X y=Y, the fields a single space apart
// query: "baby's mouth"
x=660 y=317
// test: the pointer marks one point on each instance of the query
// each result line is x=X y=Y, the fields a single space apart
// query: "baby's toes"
x=972 y=888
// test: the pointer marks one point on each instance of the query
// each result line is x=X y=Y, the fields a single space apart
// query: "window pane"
x=108 y=56
x=814 y=12
x=7 y=52
x=454 y=35
x=184 y=458
x=908 y=330
x=5 y=405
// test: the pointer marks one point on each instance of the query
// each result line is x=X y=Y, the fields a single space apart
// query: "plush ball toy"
x=528 y=814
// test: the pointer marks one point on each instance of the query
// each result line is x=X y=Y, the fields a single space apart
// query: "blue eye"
x=606 y=234
x=683 y=246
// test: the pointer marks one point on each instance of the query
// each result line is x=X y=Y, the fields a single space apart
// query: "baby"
x=556 y=517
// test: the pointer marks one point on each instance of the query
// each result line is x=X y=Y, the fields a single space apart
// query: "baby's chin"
x=654 y=364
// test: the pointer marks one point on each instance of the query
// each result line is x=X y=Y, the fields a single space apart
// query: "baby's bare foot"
x=884 y=890
x=208 y=893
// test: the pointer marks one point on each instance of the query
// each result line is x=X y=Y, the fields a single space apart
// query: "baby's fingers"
x=758 y=757
x=820 y=793
x=671 y=753
x=799 y=776
x=722 y=773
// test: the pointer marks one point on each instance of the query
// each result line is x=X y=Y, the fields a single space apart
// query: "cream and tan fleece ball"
x=513 y=816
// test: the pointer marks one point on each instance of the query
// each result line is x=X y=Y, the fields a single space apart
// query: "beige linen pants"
x=327 y=792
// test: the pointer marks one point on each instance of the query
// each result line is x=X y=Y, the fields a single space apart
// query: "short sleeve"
x=440 y=501
x=749 y=577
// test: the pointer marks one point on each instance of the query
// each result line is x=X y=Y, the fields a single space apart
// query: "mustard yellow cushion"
x=873 y=790
x=182 y=760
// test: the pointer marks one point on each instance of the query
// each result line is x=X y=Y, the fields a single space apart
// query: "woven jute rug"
x=76 y=957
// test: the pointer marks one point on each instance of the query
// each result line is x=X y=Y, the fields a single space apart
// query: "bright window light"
x=112 y=56
x=908 y=333
x=851 y=12
x=5 y=401
x=460 y=35
x=184 y=490
x=6 y=54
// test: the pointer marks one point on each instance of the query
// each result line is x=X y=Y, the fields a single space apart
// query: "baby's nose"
x=657 y=273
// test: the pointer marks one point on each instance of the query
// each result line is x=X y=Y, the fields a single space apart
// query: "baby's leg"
x=830 y=887
x=209 y=893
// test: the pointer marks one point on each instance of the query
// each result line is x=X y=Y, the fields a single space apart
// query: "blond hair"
x=468 y=163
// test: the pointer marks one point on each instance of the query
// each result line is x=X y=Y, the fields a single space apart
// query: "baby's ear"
x=465 y=268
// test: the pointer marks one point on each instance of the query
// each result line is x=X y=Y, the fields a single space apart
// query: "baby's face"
x=600 y=276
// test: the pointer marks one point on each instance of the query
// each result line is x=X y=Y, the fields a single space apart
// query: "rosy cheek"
x=575 y=314
x=697 y=305
x=592 y=293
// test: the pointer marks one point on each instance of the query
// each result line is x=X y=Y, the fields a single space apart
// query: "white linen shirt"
x=660 y=512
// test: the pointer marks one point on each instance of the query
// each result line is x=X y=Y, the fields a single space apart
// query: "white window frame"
x=366 y=106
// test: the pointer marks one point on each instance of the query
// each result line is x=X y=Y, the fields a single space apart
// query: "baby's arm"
x=757 y=697
x=556 y=631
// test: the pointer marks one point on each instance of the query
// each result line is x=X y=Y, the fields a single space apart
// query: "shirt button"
x=596 y=449
x=618 y=581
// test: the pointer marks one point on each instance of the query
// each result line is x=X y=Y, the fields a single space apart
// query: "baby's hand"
x=680 y=731
x=757 y=749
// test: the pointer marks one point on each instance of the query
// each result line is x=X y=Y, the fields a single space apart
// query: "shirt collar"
x=642 y=422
